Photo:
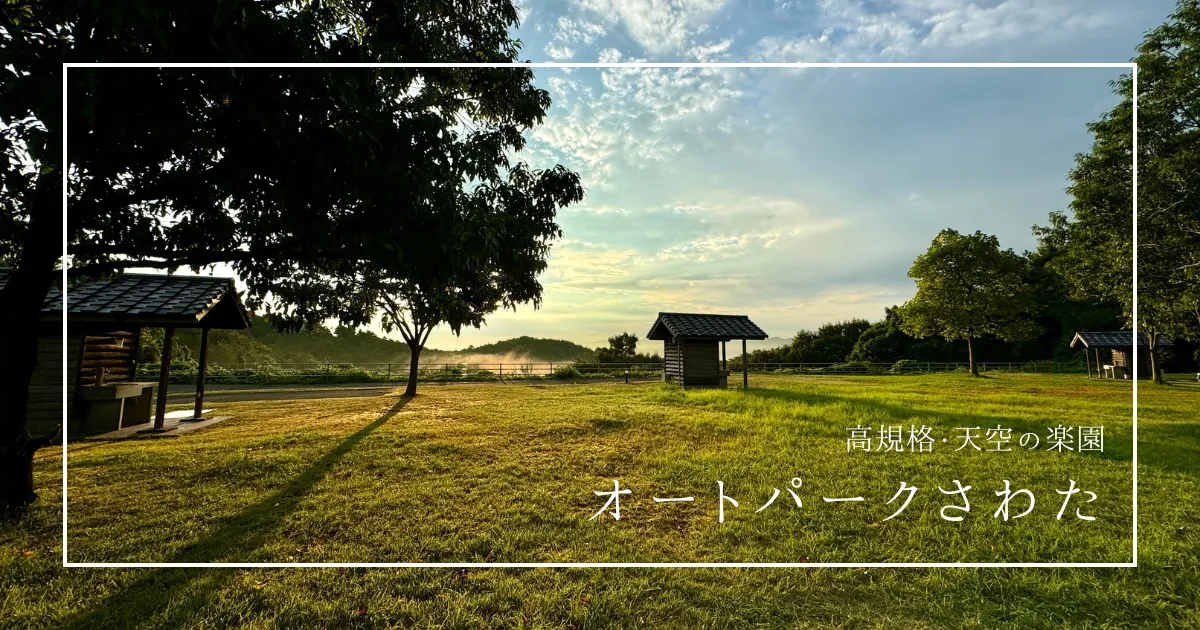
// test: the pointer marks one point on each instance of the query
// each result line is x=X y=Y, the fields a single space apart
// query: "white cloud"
x=576 y=32
x=559 y=53
x=848 y=31
x=711 y=52
x=658 y=25
x=638 y=118
x=610 y=55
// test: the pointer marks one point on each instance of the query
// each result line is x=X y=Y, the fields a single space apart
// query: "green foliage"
x=831 y=343
x=967 y=287
x=622 y=348
x=566 y=372
x=1097 y=241
x=904 y=366
x=884 y=341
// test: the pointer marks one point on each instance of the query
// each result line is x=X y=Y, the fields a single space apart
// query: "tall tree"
x=1098 y=236
x=303 y=180
x=968 y=287
x=496 y=247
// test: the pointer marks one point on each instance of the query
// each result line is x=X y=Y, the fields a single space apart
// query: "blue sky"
x=798 y=196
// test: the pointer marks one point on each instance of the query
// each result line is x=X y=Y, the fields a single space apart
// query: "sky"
x=797 y=196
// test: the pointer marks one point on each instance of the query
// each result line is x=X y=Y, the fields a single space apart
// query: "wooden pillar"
x=745 y=367
x=1087 y=358
x=198 y=414
x=164 y=373
x=724 y=360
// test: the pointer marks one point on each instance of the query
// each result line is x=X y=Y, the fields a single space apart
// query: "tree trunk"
x=1155 y=374
x=413 y=367
x=971 y=357
x=22 y=300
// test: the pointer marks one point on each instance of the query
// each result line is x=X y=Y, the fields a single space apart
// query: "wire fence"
x=316 y=373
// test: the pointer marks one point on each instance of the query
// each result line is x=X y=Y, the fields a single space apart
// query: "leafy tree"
x=303 y=180
x=487 y=268
x=622 y=348
x=967 y=287
x=1098 y=238
x=623 y=345
x=884 y=341
x=834 y=341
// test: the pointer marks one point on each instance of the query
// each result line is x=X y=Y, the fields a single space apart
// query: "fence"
x=316 y=373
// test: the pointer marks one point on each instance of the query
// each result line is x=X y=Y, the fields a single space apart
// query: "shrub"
x=905 y=366
x=566 y=372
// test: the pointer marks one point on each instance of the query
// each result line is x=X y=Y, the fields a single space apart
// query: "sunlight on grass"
x=507 y=473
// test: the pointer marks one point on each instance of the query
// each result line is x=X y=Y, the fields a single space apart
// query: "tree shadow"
x=170 y=595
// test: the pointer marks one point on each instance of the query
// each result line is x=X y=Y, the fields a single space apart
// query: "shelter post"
x=745 y=367
x=198 y=414
x=164 y=373
x=724 y=360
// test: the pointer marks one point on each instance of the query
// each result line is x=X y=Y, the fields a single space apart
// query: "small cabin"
x=100 y=346
x=694 y=346
x=1110 y=353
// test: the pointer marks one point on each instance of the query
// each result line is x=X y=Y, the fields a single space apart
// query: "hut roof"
x=1115 y=339
x=149 y=300
x=704 y=326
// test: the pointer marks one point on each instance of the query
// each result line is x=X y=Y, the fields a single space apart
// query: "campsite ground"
x=485 y=473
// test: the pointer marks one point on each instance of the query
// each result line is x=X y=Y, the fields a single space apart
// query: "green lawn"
x=506 y=473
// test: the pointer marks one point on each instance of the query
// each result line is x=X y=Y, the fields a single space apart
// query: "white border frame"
x=1129 y=66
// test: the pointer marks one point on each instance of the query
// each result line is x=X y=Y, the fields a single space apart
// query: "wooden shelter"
x=1117 y=349
x=691 y=357
x=104 y=322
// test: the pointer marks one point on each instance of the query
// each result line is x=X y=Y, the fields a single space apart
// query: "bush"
x=566 y=372
x=905 y=366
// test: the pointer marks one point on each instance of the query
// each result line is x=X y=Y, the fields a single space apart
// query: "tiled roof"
x=669 y=325
x=139 y=297
x=1115 y=339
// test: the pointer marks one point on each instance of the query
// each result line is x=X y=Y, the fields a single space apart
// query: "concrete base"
x=171 y=428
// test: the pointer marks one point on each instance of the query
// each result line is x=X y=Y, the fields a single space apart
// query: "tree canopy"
x=1097 y=238
x=304 y=180
x=968 y=287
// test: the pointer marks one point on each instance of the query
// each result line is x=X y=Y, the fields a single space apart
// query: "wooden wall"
x=1124 y=357
x=701 y=363
x=672 y=362
x=87 y=350
x=692 y=363
x=113 y=351
x=44 y=409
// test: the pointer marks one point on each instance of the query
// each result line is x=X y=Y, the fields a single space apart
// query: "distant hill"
x=534 y=348
x=263 y=344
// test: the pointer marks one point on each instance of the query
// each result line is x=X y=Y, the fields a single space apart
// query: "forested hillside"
x=263 y=344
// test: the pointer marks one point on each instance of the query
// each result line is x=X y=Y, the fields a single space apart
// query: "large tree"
x=305 y=181
x=495 y=248
x=1097 y=239
x=968 y=287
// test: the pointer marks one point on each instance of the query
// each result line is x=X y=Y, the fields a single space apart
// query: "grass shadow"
x=169 y=596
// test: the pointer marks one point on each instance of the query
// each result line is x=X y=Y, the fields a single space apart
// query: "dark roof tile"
x=669 y=325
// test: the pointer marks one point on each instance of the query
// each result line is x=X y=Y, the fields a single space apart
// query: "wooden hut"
x=104 y=322
x=1110 y=353
x=691 y=355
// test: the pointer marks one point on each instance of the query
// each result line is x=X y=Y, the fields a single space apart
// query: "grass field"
x=507 y=473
